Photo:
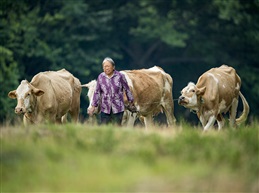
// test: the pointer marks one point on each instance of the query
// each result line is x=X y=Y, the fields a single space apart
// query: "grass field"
x=85 y=158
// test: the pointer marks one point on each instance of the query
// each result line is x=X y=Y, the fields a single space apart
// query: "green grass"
x=85 y=158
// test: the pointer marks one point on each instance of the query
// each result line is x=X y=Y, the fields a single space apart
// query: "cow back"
x=221 y=83
x=151 y=88
x=145 y=90
x=58 y=96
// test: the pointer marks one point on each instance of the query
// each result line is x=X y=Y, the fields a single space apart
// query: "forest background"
x=184 y=37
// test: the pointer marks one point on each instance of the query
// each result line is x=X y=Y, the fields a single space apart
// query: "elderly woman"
x=109 y=94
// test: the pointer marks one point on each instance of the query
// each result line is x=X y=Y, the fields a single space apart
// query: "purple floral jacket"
x=109 y=92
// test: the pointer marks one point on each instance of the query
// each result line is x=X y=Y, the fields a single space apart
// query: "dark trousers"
x=111 y=118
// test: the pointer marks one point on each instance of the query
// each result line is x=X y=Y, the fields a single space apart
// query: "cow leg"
x=125 y=118
x=202 y=120
x=148 y=120
x=128 y=119
x=25 y=120
x=74 y=114
x=131 y=119
x=64 y=118
x=169 y=116
x=59 y=120
x=210 y=123
x=233 y=112
x=220 y=121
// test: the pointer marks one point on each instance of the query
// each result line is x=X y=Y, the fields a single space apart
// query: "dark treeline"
x=184 y=37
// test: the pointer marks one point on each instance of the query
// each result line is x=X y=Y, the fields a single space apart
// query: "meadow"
x=93 y=158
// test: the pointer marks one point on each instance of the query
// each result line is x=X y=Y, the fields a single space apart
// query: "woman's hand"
x=132 y=108
x=91 y=110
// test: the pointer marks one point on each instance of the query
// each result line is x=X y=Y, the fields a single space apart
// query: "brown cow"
x=48 y=97
x=216 y=92
x=152 y=91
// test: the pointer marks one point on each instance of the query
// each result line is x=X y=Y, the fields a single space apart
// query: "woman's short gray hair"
x=109 y=60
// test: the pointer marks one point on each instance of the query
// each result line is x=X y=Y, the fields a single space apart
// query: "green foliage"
x=8 y=79
x=152 y=26
x=250 y=82
x=104 y=158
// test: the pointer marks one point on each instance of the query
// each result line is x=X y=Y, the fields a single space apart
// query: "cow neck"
x=31 y=115
x=199 y=107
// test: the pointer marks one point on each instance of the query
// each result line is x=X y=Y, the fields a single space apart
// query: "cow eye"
x=193 y=90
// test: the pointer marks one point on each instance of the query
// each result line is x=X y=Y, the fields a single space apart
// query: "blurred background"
x=184 y=37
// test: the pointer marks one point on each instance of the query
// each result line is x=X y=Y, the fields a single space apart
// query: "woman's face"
x=108 y=68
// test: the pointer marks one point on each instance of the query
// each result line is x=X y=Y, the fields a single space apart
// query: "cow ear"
x=12 y=94
x=201 y=91
x=38 y=92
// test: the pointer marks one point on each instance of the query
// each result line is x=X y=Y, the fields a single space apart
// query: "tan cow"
x=48 y=97
x=216 y=92
x=152 y=91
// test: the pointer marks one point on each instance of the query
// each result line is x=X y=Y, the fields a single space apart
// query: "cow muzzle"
x=19 y=110
x=182 y=101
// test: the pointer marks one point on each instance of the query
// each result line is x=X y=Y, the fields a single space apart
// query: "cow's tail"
x=245 y=112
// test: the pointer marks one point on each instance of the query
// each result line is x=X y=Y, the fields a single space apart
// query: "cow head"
x=26 y=97
x=91 y=88
x=191 y=96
